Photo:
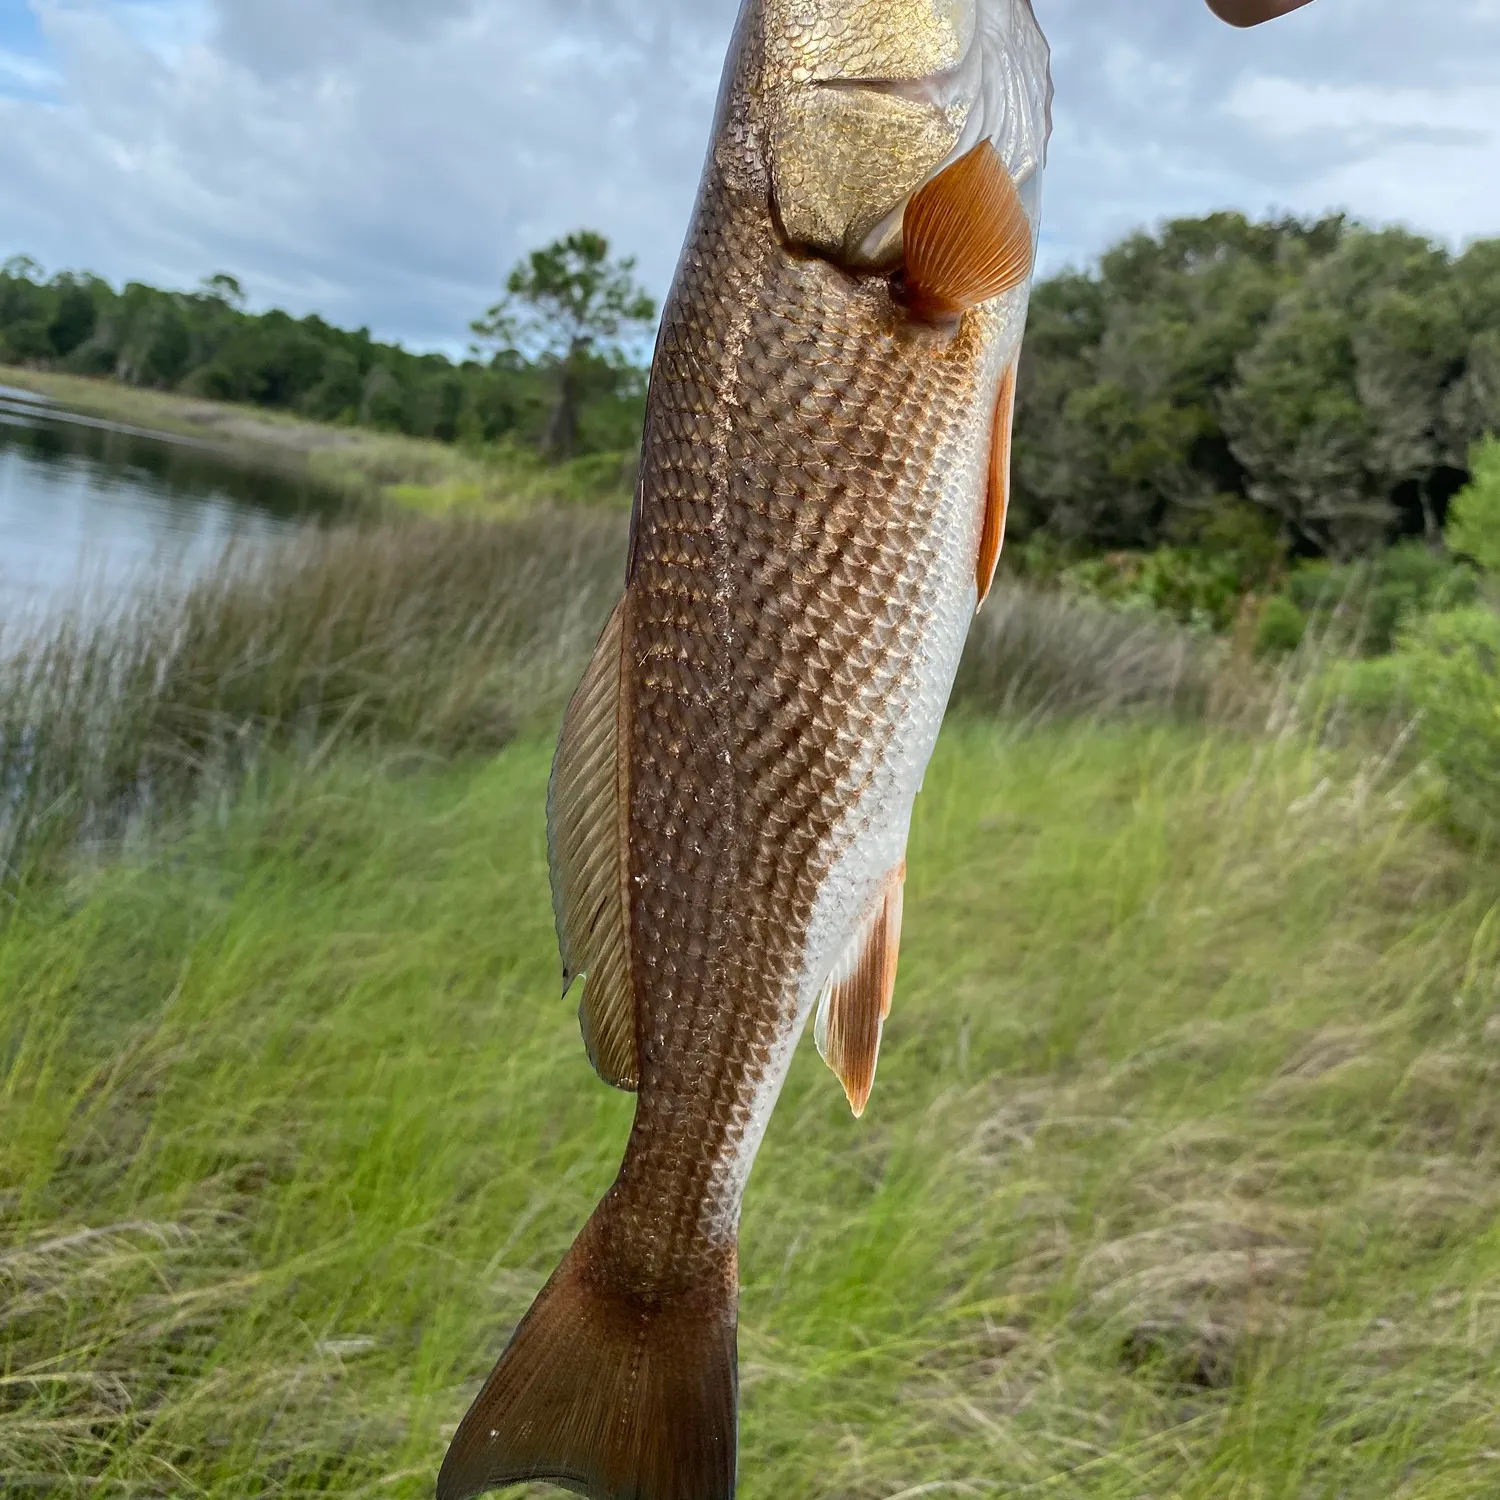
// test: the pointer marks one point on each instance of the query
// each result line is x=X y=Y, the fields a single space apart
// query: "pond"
x=87 y=505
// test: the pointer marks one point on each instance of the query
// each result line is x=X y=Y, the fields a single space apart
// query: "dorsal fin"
x=967 y=237
x=997 y=492
x=587 y=812
x=857 y=1000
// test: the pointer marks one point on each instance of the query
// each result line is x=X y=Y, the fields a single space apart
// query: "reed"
x=432 y=637
x=435 y=637
x=1046 y=654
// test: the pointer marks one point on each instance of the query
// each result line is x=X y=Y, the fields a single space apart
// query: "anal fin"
x=854 y=1006
x=587 y=811
x=997 y=492
x=967 y=238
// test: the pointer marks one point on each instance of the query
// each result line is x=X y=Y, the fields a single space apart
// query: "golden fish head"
x=863 y=101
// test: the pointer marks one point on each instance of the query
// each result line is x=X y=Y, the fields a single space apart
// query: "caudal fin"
x=613 y=1394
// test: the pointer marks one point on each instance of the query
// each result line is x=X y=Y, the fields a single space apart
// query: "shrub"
x=1375 y=687
x=1370 y=602
x=1474 y=516
x=1193 y=587
x=1451 y=669
x=1281 y=628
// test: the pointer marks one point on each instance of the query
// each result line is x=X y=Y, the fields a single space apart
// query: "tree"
x=1340 y=416
x=222 y=287
x=1120 y=439
x=572 y=306
x=75 y=316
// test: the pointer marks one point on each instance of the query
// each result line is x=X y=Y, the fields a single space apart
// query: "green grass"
x=1179 y=1179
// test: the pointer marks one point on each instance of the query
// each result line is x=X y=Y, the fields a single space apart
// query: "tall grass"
x=1043 y=653
x=442 y=637
x=1180 y=1178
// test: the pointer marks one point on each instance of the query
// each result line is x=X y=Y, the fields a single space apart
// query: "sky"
x=384 y=162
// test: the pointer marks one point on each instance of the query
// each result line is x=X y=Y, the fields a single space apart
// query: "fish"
x=821 y=500
x=821 y=504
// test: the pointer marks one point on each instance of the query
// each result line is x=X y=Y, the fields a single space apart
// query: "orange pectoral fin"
x=967 y=237
x=997 y=492
x=857 y=1001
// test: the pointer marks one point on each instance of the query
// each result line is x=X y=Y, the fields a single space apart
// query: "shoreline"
x=390 y=469
x=163 y=414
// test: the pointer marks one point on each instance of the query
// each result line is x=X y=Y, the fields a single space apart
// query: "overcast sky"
x=385 y=161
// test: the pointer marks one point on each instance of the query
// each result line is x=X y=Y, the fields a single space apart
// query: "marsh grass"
x=1180 y=1177
x=438 y=637
x=434 y=637
x=1045 y=653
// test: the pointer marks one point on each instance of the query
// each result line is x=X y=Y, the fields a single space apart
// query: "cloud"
x=19 y=72
x=1381 y=108
x=385 y=163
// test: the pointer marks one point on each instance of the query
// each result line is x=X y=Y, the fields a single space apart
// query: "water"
x=88 y=507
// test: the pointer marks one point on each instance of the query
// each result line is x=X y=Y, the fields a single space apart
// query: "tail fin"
x=607 y=1392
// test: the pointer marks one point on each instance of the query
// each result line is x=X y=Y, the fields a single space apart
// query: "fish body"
x=821 y=501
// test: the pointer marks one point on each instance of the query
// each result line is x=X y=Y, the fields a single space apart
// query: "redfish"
x=822 y=501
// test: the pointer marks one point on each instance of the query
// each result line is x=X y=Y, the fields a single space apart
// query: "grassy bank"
x=412 y=473
x=422 y=638
x=1180 y=1176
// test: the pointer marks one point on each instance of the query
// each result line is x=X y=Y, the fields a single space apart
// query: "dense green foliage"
x=1474 y=524
x=1368 y=603
x=205 y=343
x=1331 y=377
x=1316 y=383
x=1450 y=666
x=1434 y=624
x=1200 y=585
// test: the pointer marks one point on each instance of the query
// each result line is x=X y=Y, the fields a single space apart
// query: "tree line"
x=1311 y=384
x=1316 y=380
x=552 y=365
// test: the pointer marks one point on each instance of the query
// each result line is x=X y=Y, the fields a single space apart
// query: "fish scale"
x=795 y=663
